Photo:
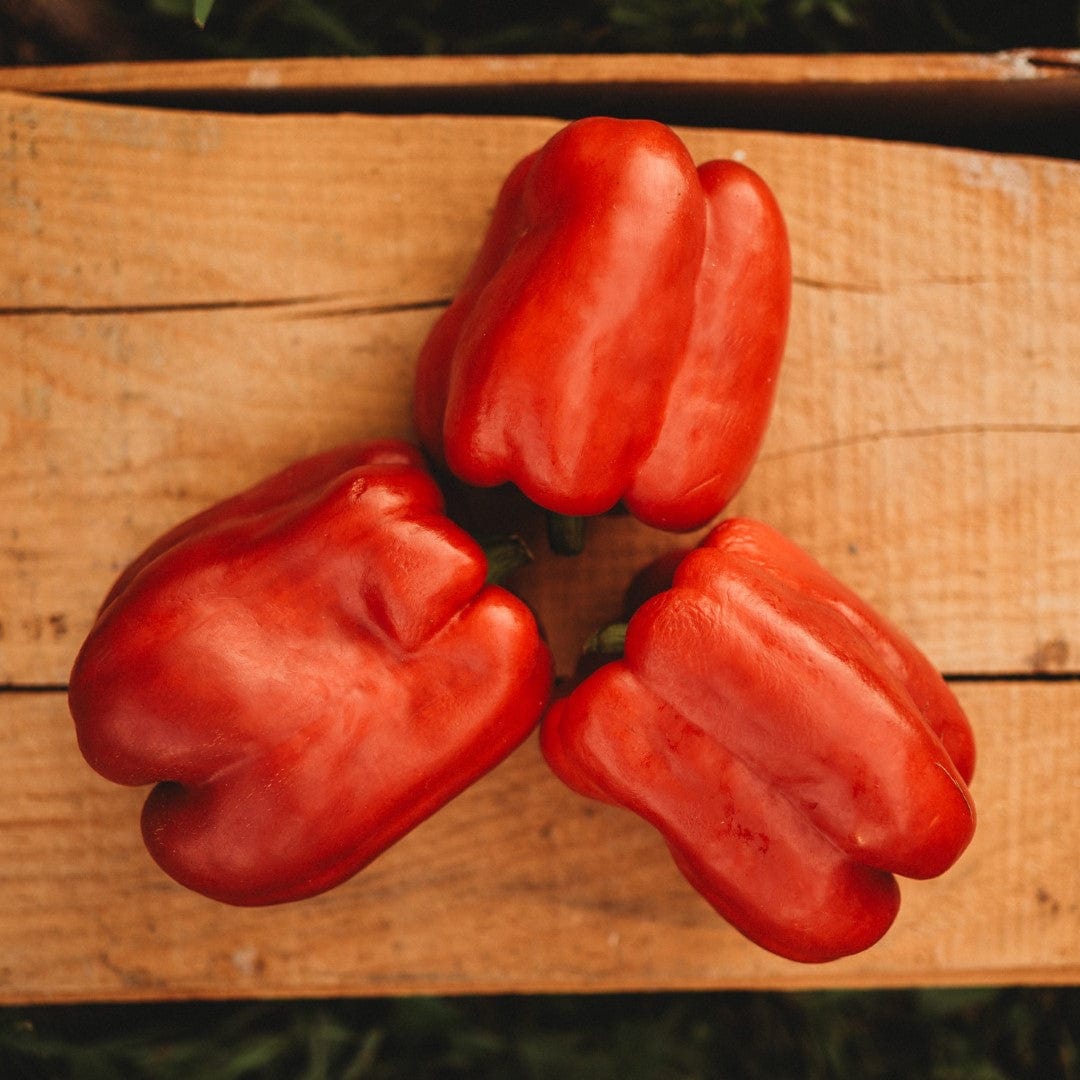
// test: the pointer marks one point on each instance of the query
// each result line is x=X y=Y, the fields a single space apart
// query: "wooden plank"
x=322 y=74
x=125 y=208
x=201 y=306
x=953 y=519
x=1024 y=100
x=518 y=885
x=194 y=299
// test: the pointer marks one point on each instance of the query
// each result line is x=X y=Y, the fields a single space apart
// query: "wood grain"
x=518 y=885
x=1023 y=100
x=192 y=299
x=216 y=296
x=276 y=76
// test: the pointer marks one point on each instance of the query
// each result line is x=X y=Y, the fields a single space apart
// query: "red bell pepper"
x=794 y=749
x=619 y=334
x=305 y=671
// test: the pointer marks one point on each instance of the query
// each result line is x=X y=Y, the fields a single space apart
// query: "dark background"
x=39 y=31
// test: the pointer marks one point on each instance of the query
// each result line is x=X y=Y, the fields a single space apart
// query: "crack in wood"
x=348 y=311
x=929 y=432
x=884 y=288
x=33 y=688
x=325 y=306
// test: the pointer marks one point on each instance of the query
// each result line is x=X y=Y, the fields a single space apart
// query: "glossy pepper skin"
x=794 y=749
x=619 y=335
x=305 y=671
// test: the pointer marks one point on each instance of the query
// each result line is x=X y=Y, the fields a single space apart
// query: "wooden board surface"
x=193 y=299
x=517 y=885
x=1018 y=100
x=941 y=70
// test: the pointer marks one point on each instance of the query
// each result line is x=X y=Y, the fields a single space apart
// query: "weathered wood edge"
x=1021 y=101
x=712 y=70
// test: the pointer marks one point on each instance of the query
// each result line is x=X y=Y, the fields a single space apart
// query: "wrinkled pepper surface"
x=305 y=671
x=619 y=335
x=795 y=750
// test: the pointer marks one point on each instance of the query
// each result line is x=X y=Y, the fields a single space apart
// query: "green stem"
x=566 y=533
x=504 y=554
x=609 y=641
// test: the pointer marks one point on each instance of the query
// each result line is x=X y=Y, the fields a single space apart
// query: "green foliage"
x=440 y=26
x=408 y=27
x=974 y=1034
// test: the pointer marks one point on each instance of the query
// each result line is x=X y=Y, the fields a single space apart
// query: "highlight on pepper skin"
x=305 y=672
x=796 y=751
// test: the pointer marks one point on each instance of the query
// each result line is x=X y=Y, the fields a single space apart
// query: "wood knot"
x=1050 y=655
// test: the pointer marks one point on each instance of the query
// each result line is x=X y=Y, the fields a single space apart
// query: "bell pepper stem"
x=504 y=554
x=608 y=641
x=566 y=533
